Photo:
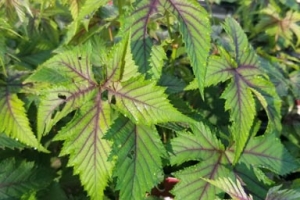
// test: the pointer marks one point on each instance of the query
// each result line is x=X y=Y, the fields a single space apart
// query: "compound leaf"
x=241 y=65
x=61 y=98
x=139 y=151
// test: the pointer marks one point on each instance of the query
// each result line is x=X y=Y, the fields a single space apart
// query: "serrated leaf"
x=251 y=180
x=87 y=149
x=231 y=187
x=242 y=67
x=141 y=44
x=204 y=147
x=89 y=7
x=139 y=150
x=195 y=29
x=200 y=146
x=157 y=57
x=193 y=25
x=83 y=11
x=267 y=152
x=75 y=6
x=120 y=62
x=276 y=194
x=191 y=184
x=17 y=178
x=14 y=120
x=7 y=142
x=144 y=102
x=60 y=101
x=61 y=98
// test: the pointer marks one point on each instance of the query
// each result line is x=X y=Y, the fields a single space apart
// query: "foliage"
x=105 y=99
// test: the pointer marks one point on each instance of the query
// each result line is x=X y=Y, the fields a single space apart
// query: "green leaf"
x=83 y=11
x=276 y=194
x=144 y=102
x=75 y=6
x=120 y=62
x=202 y=146
x=14 y=120
x=193 y=25
x=141 y=44
x=18 y=178
x=195 y=29
x=252 y=180
x=88 y=151
x=7 y=142
x=157 y=57
x=2 y=54
x=139 y=150
x=241 y=65
x=267 y=152
x=78 y=86
x=231 y=187
x=191 y=184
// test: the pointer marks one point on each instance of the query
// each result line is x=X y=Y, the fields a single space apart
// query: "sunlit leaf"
x=14 y=120
x=87 y=149
x=144 y=102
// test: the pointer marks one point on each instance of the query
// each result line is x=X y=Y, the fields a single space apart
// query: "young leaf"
x=267 y=152
x=14 y=120
x=88 y=151
x=231 y=187
x=242 y=67
x=139 y=150
x=17 y=178
x=144 y=102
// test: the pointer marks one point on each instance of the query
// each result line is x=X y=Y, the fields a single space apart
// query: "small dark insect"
x=79 y=57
